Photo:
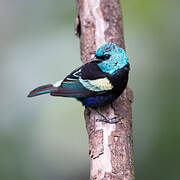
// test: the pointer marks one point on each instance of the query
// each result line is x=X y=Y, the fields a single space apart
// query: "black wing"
x=78 y=83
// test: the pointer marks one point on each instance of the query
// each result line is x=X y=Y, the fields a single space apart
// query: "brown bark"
x=110 y=145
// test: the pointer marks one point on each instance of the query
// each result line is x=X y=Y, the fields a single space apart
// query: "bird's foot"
x=108 y=120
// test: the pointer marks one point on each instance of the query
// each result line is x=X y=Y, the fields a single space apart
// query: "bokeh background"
x=45 y=138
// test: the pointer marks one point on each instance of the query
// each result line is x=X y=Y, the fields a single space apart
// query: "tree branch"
x=110 y=145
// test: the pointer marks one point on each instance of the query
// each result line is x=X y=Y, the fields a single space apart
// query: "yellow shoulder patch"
x=102 y=84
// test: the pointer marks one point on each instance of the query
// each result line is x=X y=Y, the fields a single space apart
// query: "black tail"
x=59 y=91
x=41 y=90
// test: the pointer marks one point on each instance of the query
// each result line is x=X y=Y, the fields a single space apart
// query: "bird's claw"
x=108 y=120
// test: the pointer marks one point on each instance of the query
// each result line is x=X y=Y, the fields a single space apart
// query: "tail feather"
x=68 y=92
x=59 y=91
x=41 y=90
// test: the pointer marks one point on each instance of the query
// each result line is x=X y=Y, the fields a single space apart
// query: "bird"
x=96 y=83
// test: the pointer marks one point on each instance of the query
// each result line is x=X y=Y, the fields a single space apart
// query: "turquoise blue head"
x=113 y=56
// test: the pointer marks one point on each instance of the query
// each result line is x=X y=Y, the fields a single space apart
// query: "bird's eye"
x=103 y=57
x=106 y=56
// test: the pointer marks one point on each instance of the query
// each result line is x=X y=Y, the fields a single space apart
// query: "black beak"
x=96 y=59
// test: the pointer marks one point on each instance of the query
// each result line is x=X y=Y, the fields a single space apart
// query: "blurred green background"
x=45 y=138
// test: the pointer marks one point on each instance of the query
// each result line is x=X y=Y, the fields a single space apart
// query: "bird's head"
x=111 y=57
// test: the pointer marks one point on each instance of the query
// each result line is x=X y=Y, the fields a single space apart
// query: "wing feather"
x=82 y=82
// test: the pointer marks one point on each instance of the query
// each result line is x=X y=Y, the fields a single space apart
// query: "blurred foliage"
x=45 y=138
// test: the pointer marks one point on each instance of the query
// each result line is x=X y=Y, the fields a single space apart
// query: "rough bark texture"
x=110 y=145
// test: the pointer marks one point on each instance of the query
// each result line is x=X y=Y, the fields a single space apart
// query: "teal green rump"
x=97 y=83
